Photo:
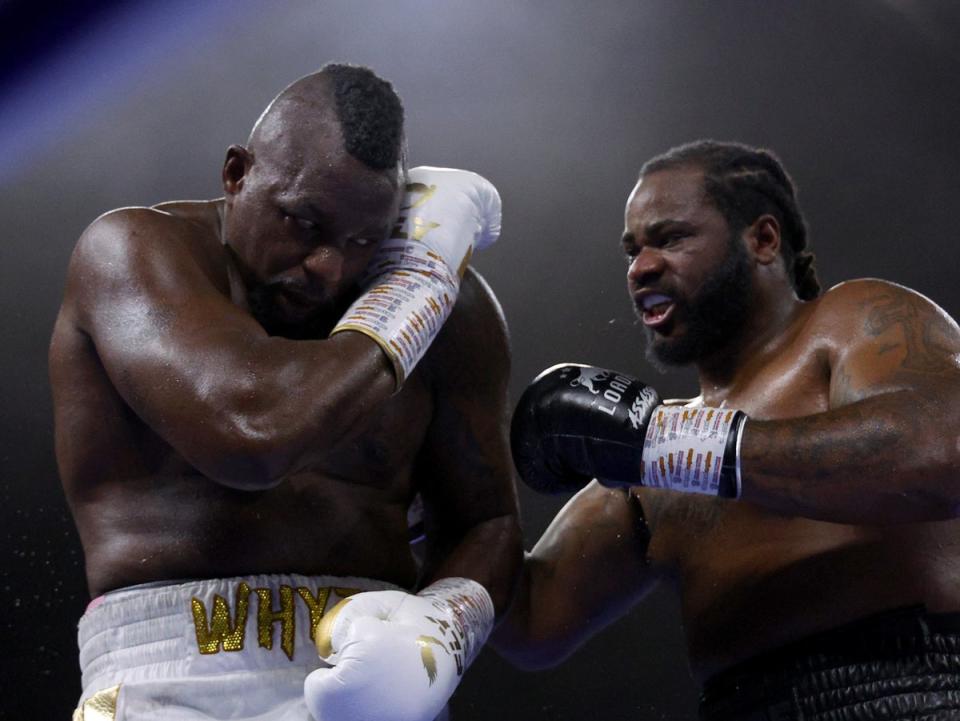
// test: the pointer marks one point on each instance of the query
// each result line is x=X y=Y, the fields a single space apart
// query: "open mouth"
x=656 y=309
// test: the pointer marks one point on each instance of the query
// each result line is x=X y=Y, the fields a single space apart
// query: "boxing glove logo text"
x=638 y=409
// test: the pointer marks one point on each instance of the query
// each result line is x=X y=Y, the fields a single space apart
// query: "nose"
x=646 y=265
x=325 y=264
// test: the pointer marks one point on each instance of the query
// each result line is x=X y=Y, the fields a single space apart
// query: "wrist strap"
x=411 y=294
x=472 y=611
x=693 y=450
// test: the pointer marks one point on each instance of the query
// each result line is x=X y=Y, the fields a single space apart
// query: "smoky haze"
x=558 y=103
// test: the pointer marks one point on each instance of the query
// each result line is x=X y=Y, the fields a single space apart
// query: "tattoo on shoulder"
x=923 y=333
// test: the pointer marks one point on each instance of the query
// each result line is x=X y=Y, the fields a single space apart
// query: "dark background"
x=111 y=104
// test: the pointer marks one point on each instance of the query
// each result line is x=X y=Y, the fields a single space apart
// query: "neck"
x=760 y=335
x=221 y=206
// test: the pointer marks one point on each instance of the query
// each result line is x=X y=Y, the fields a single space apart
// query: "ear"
x=235 y=168
x=763 y=239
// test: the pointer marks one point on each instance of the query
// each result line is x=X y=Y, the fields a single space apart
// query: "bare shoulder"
x=870 y=307
x=474 y=342
x=113 y=239
x=126 y=248
x=862 y=297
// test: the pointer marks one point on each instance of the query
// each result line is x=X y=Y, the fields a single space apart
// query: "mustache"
x=295 y=288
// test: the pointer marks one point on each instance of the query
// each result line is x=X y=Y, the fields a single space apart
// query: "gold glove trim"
x=384 y=346
x=102 y=706
x=324 y=631
x=427 y=657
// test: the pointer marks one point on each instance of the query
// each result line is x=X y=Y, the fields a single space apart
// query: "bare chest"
x=385 y=449
x=788 y=385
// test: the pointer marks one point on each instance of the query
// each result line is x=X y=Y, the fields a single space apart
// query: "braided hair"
x=745 y=183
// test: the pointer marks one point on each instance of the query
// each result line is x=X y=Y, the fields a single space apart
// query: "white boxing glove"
x=396 y=656
x=414 y=277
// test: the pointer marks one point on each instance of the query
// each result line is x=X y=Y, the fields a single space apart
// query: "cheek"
x=355 y=263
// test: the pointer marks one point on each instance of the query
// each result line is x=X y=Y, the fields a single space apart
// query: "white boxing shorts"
x=234 y=648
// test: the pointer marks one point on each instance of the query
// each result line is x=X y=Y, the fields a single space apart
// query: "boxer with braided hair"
x=804 y=504
x=744 y=183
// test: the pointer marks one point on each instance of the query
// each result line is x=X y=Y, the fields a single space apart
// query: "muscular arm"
x=240 y=406
x=464 y=468
x=587 y=570
x=888 y=449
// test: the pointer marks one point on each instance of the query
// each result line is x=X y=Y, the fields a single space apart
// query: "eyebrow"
x=652 y=229
x=297 y=199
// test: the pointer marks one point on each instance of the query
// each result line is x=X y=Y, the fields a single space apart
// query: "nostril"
x=325 y=262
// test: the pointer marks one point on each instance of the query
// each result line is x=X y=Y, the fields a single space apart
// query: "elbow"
x=527 y=654
x=258 y=449
x=526 y=644
x=250 y=456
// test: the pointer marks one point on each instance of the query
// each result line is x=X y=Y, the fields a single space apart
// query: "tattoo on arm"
x=924 y=333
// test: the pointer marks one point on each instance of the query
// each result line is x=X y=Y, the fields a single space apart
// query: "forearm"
x=588 y=569
x=279 y=401
x=520 y=636
x=890 y=458
x=491 y=554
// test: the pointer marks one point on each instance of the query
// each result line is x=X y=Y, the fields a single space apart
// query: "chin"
x=664 y=352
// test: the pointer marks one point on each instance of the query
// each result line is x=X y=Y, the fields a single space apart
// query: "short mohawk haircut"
x=370 y=115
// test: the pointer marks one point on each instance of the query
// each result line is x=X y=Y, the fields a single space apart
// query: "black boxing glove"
x=577 y=422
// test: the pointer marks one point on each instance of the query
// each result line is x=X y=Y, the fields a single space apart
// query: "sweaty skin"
x=850 y=465
x=193 y=444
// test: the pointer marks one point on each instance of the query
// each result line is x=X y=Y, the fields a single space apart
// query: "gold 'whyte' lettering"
x=316 y=604
x=221 y=631
x=267 y=616
x=345 y=592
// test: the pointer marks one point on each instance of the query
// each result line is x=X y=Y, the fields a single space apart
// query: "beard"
x=714 y=316
x=309 y=324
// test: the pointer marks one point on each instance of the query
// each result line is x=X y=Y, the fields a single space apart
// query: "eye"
x=673 y=238
x=362 y=242
x=290 y=216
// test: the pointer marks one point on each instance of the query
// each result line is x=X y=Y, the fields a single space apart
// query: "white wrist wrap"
x=473 y=616
x=414 y=278
x=683 y=449
x=406 y=305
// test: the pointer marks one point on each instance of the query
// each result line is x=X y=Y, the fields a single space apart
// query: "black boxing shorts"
x=898 y=665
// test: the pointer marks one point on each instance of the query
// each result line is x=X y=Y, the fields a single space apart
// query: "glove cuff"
x=411 y=295
x=693 y=450
x=470 y=607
